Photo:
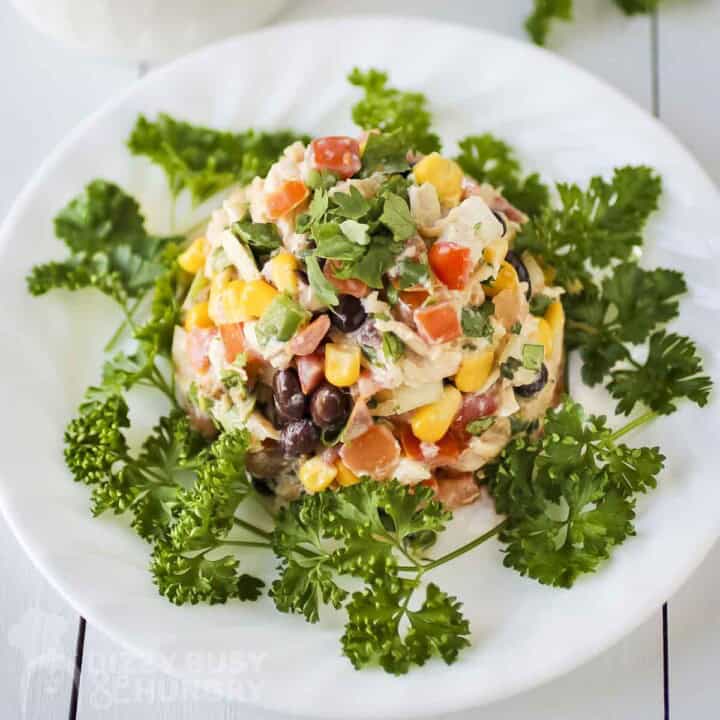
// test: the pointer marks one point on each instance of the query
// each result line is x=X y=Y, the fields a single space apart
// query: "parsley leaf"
x=205 y=161
x=672 y=370
x=351 y=205
x=392 y=346
x=489 y=159
x=373 y=631
x=388 y=109
x=544 y=11
x=568 y=495
x=594 y=226
x=630 y=304
x=110 y=249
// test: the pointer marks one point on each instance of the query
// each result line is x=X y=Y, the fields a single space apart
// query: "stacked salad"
x=365 y=335
x=364 y=315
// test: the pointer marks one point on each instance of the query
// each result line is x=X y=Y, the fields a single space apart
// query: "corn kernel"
x=544 y=336
x=555 y=316
x=255 y=298
x=194 y=257
x=345 y=476
x=232 y=307
x=197 y=317
x=342 y=364
x=446 y=175
x=506 y=279
x=283 y=271
x=316 y=475
x=496 y=251
x=430 y=423
x=474 y=371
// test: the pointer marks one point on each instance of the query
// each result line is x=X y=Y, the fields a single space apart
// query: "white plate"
x=563 y=122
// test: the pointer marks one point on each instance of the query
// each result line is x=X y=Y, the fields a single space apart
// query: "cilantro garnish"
x=476 y=321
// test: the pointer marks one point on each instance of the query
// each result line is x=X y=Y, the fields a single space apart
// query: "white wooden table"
x=670 y=65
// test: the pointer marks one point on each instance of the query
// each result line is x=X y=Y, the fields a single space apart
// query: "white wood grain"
x=688 y=36
x=46 y=91
x=689 y=105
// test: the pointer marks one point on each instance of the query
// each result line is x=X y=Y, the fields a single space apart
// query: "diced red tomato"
x=338 y=154
x=233 y=339
x=375 y=453
x=198 y=344
x=414 y=298
x=448 y=448
x=451 y=263
x=311 y=371
x=286 y=198
x=438 y=323
x=454 y=492
x=308 y=339
x=356 y=288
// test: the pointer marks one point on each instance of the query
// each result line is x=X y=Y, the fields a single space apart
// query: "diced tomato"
x=448 y=448
x=286 y=198
x=233 y=339
x=454 y=492
x=451 y=263
x=308 y=339
x=338 y=154
x=199 y=340
x=438 y=323
x=311 y=371
x=356 y=288
x=375 y=453
x=414 y=298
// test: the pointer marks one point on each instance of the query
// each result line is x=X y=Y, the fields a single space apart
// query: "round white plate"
x=564 y=123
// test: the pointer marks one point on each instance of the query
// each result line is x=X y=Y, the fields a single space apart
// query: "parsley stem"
x=129 y=315
x=637 y=422
x=583 y=327
x=252 y=528
x=461 y=550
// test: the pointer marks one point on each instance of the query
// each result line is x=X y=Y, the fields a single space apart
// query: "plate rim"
x=55 y=158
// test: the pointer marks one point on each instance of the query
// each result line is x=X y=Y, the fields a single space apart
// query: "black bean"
x=349 y=314
x=329 y=406
x=262 y=486
x=521 y=270
x=535 y=386
x=299 y=438
x=501 y=219
x=290 y=402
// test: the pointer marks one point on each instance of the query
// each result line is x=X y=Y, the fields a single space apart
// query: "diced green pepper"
x=533 y=356
x=281 y=320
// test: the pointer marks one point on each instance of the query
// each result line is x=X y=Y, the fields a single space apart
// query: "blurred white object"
x=145 y=29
